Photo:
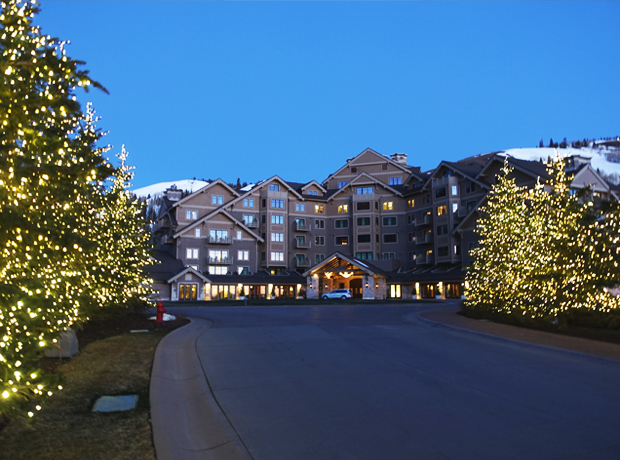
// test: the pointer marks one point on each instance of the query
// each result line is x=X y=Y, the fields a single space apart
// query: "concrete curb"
x=187 y=422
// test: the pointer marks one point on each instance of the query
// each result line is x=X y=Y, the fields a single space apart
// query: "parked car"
x=338 y=294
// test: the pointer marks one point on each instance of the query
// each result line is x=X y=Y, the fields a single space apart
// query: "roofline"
x=375 y=181
x=212 y=214
x=398 y=165
x=203 y=189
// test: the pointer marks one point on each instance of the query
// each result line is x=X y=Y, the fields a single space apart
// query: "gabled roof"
x=339 y=262
x=262 y=184
x=587 y=168
x=380 y=157
x=212 y=214
x=204 y=189
x=188 y=270
x=372 y=179
x=468 y=172
x=313 y=182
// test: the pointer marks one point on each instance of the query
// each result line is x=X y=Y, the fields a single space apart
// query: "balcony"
x=301 y=227
x=302 y=263
x=251 y=224
x=219 y=260
x=302 y=244
x=450 y=180
x=219 y=240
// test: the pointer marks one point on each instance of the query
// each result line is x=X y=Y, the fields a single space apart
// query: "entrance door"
x=356 y=288
x=188 y=291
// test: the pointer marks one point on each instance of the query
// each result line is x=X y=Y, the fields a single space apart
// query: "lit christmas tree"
x=52 y=179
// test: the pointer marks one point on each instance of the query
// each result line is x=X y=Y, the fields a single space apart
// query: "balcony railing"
x=220 y=240
x=252 y=224
x=299 y=227
x=302 y=244
x=302 y=263
x=219 y=260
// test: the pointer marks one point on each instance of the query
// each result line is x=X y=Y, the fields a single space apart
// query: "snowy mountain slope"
x=189 y=185
x=598 y=156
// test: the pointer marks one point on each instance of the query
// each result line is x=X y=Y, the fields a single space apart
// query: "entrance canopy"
x=341 y=265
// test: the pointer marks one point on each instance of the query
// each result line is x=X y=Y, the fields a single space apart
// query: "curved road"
x=378 y=382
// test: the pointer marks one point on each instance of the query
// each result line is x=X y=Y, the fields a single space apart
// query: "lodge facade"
x=376 y=226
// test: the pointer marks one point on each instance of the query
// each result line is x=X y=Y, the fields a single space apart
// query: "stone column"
x=368 y=287
x=312 y=287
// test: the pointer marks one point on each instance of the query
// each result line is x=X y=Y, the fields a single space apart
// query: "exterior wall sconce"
x=311 y=286
x=376 y=286
x=366 y=285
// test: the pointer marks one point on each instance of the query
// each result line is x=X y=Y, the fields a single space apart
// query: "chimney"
x=400 y=158
x=173 y=194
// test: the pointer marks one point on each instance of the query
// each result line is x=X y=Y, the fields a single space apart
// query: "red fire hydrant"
x=159 y=317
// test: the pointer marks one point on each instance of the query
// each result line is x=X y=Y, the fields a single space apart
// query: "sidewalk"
x=451 y=318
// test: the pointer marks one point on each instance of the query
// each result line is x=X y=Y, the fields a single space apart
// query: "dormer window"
x=274 y=187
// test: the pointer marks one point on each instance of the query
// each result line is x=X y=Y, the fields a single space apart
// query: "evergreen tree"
x=51 y=201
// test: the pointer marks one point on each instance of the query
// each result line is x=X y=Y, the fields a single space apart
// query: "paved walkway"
x=183 y=407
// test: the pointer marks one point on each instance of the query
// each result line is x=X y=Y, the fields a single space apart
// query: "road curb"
x=187 y=422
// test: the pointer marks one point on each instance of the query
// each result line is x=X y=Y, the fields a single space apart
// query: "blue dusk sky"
x=251 y=89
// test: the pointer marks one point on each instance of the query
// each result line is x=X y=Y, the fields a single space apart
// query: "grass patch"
x=67 y=429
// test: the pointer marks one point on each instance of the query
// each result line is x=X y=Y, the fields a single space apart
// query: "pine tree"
x=51 y=201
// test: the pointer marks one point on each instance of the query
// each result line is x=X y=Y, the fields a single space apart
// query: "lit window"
x=197 y=232
x=277 y=256
x=455 y=207
x=277 y=237
x=411 y=203
x=239 y=235
x=388 y=206
x=342 y=240
x=319 y=209
x=455 y=190
x=217 y=270
x=191 y=253
x=441 y=210
x=277 y=219
x=191 y=214
x=343 y=208
x=243 y=255
x=218 y=235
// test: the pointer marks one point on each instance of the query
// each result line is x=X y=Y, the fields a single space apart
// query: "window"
x=217 y=199
x=264 y=202
x=239 y=235
x=363 y=255
x=319 y=208
x=442 y=230
x=411 y=203
x=426 y=199
x=274 y=187
x=248 y=202
x=395 y=180
x=263 y=218
x=319 y=240
x=319 y=258
x=319 y=223
x=411 y=219
x=411 y=237
x=391 y=238
x=341 y=224
x=312 y=192
x=395 y=291
x=277 y=219
x=243 y=255
x=343 y=208
x=218 y=235
x=363 y=206
x=363 y=221
x=384 y=167
x=197 y=233
x=342 y=240
x=248 y=219
x=243 y=270
x=217 y=270
x=363 y=239
x=301 y=240
x=442 y=210
x=442 y=251
x=470 y=187
x=218 y=256
x=457 y=250
x=440 y=192
x=388 y=255
x=277 y=203
x=277 y=237
x=263 y=256
x=301 y=258
x=277 y=256
x=389 y=221
x=388 y=205
x=353 y=169
x=300 y=207
x=342 y=183
x=455 y=207
x=454 y=190
x=191 y=253
x=191 y=214
x=471 y=205
x=187 y=291
x=300 y=222
x=412 y=256
x=363 y=190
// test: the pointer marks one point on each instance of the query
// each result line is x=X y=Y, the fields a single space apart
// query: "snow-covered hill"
x=155 y=190
x=599 y=157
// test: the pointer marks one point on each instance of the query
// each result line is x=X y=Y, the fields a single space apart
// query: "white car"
x=338 y=294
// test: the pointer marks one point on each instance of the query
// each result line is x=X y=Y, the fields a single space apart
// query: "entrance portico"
x=339 y=271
